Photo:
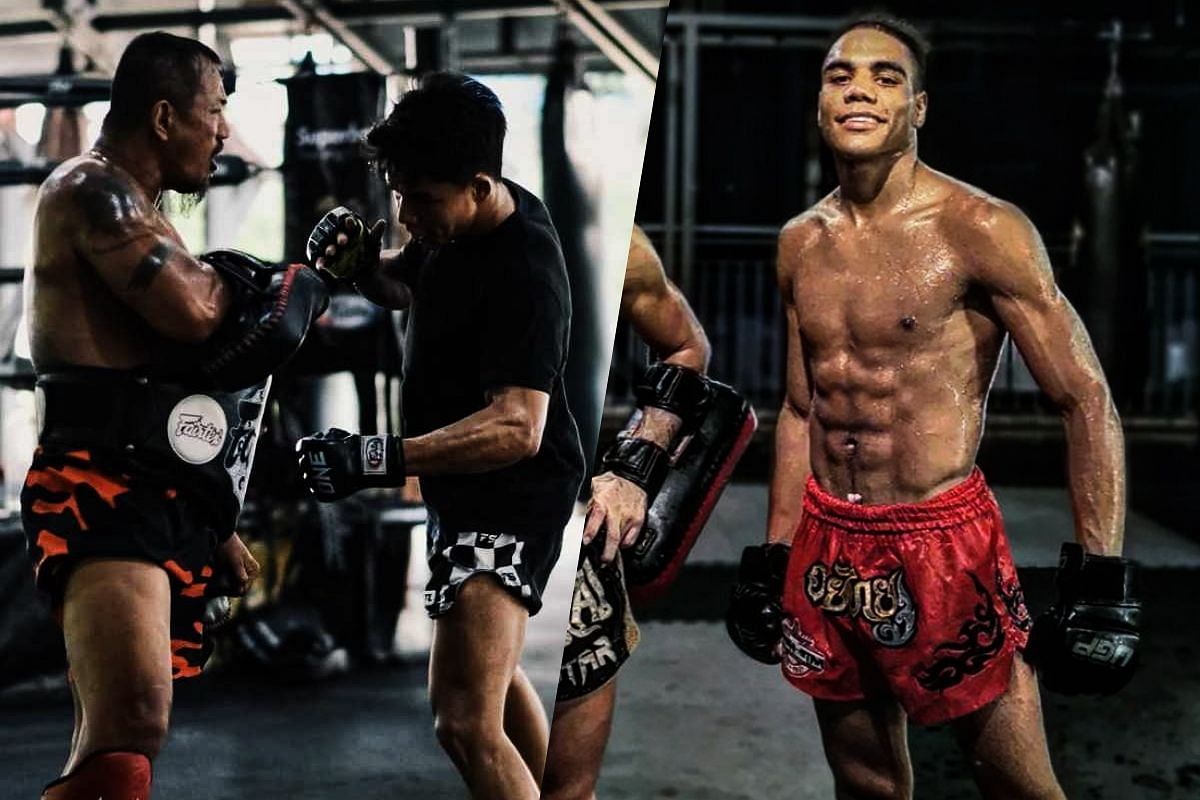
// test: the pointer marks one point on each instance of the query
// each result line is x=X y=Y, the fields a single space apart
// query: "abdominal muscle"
x=897 y=430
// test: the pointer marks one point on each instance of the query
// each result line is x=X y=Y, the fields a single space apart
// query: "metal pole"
x=671 y=159
x=451 y=56
x=691 y=101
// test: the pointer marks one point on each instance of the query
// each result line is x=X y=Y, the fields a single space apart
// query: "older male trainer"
x=152 y=372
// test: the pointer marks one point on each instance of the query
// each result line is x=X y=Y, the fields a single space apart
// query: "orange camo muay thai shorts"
x=918 y=601
x=74 y=508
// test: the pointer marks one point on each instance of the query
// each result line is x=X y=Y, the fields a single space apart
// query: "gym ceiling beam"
x=421 y=13
x=75 y=26
x=611 y=38
x=318 y=12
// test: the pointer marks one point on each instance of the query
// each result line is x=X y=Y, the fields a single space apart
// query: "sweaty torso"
x=900 y=347
x=73 y=317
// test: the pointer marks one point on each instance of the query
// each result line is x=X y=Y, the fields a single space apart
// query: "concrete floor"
x=695 y=720
x=735 y=730
x=366 y=736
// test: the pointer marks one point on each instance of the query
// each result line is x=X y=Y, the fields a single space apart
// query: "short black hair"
x=448 y=128
x=897 y=28
x=157 y=66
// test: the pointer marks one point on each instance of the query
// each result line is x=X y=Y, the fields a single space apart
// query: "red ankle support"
x=114 y=775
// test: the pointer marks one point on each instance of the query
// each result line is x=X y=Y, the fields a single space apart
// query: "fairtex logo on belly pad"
x=196 y=429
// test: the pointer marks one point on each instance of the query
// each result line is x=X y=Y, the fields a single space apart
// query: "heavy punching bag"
x=570 y=195
x=1109 y=254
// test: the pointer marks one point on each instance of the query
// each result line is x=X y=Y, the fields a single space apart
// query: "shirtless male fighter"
x=487 y=428
x=602 y=633
x=900 y=598
x=150 y=384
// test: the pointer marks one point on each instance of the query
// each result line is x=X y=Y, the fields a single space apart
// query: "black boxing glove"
x=360 y=253
x=1088 y=641
x=218 y=610
x=755 y=615
x=337 y=463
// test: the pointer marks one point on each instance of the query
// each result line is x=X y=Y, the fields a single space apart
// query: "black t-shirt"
x=487 y=312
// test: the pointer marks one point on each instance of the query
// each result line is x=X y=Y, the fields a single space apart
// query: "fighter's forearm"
x=791 y=469
x=693 y=353
x=658 y=426
x=489 y=439
x=382 y=286
x=1096 y=473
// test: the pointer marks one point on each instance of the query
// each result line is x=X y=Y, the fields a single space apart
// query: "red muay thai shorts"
x=919 y=602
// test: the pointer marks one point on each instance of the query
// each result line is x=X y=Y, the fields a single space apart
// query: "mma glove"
x=360 y=254
x=755 y=616
x=1088 y=641
x=337 y=463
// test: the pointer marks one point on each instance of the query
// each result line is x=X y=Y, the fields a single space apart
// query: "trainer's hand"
x=337 y=463
x=754 y=619
x=1088 y=640
x=237 y=569
x=410 y=492
x=618 y=508
x=342 y=245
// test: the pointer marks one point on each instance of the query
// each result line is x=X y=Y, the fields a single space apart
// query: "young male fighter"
x=602 y=633
x=487 y=425
x=146 y=437
x=900 y=597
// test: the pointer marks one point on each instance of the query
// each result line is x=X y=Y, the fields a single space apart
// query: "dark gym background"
x=317 y=691
x=1085 y=116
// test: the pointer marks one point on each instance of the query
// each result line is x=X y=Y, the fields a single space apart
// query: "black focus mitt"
x=271 y=313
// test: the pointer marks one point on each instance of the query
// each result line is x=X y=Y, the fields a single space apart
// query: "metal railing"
x=735 y=296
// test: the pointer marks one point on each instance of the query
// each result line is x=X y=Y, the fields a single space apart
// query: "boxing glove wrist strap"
x=639 y=461
x=766 y=564
x=1092 y=577
x=383 y=458
x=678 y=390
